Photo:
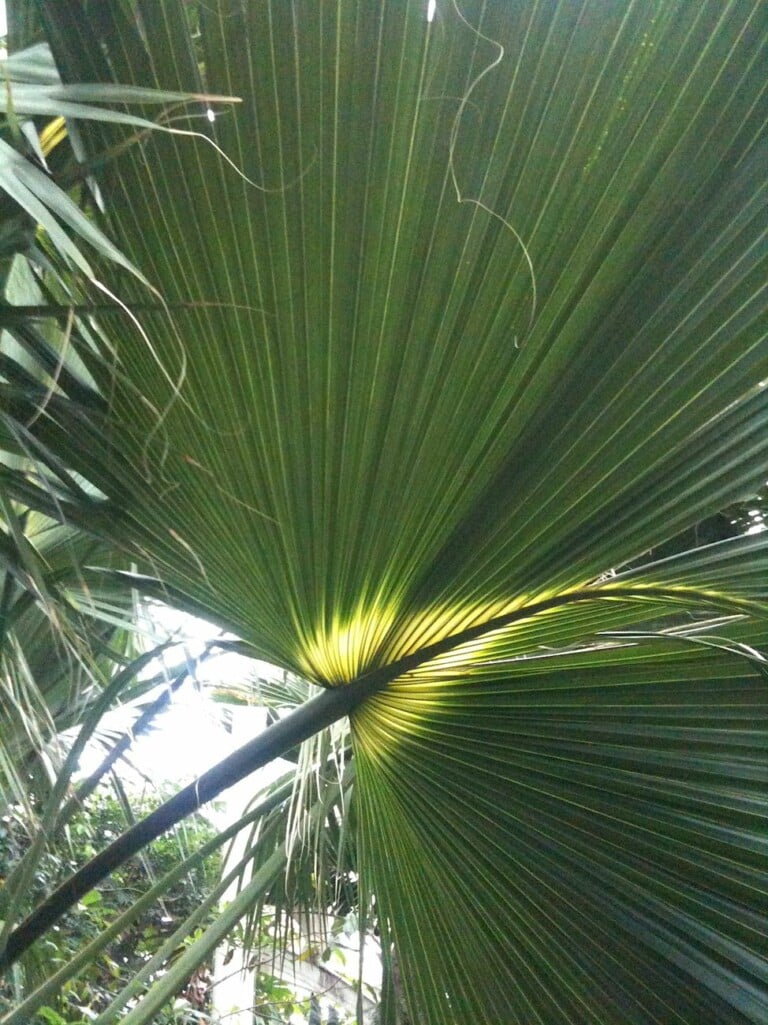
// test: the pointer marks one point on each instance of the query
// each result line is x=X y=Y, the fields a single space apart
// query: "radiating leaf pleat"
x=489 y=293
x=590 y=844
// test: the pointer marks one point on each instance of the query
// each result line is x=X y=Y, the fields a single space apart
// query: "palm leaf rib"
x=477 y=319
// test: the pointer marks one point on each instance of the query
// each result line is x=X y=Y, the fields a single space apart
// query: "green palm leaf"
x=588 y=842
x=479 y=321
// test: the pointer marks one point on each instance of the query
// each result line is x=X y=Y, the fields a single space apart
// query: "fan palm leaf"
x=474 y=318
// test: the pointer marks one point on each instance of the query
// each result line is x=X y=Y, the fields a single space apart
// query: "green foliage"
x=102 y=818
x=471 y=319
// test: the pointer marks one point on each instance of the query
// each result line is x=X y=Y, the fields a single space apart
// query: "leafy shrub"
x=104 y=817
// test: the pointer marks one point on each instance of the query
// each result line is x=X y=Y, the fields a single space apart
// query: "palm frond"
x=474 y=322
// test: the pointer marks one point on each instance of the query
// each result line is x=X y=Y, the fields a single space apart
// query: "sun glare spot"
x=431 y=8
x=211 y=115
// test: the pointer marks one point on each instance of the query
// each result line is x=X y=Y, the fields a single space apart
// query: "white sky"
x=190 y=736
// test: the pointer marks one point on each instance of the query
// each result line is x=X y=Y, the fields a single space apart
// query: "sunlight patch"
x=349 y=648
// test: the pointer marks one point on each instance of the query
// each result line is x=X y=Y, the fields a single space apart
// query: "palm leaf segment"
x=480 y=317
